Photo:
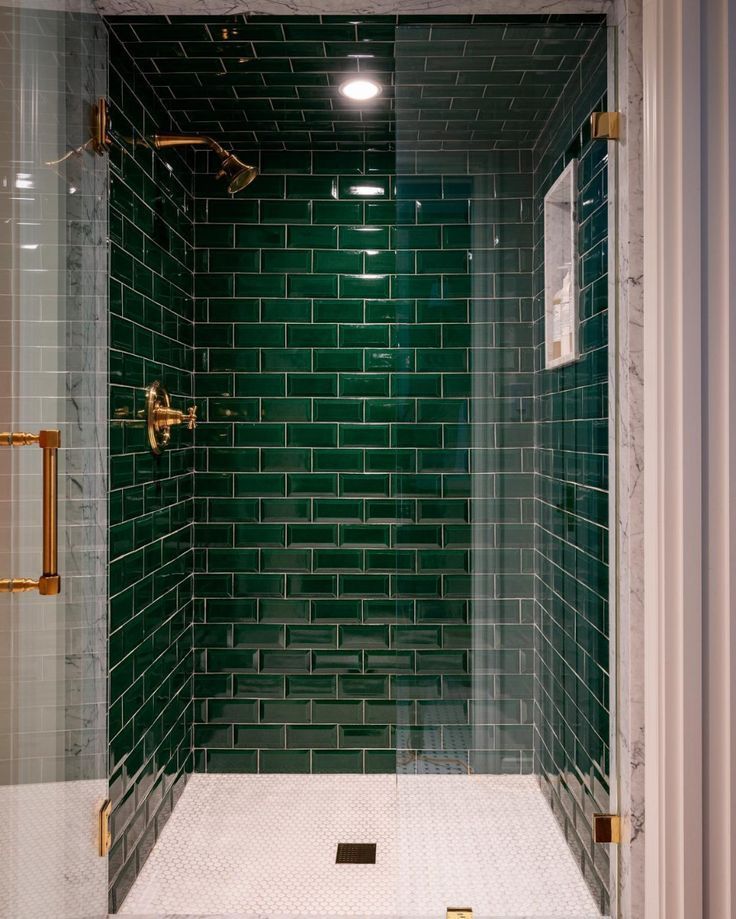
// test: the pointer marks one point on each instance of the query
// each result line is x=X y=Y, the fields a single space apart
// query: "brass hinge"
x=104 y=834
x=607 y=828
x=459 y=912
x=605 y=126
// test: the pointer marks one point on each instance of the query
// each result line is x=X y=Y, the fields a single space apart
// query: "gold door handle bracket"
x=160 y=417
x=49 y=584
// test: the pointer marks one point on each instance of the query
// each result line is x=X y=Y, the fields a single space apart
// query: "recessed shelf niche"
x=560 y=270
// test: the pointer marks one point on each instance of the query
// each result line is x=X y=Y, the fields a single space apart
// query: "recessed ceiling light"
x=360 y=89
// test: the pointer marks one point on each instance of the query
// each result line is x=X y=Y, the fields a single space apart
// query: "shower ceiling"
x=263 y=82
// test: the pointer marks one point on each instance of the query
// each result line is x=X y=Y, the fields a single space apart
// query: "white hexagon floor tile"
x=264 y=846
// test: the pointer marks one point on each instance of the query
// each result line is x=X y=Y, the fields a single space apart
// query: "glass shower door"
x=53 y=777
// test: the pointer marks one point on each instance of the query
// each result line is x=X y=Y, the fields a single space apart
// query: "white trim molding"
x=690 y=444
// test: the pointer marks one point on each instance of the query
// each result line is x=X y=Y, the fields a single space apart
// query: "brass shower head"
x=240 y=174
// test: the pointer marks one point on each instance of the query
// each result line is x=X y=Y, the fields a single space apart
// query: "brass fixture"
x=607 y=828
x=605 y=126
x=239 y=173
x=160 y=416
x=49 y=584
x=459 y=912
x=100 y=140
x=104 y=833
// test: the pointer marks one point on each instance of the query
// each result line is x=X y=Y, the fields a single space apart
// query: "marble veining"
x=366 y=8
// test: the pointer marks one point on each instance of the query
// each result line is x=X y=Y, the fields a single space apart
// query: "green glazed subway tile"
x=343 y=261
x=338 y=409
x=389 y=661
x=390 y=712
x=417 y=435
x=416 y=585
x=364 y=535
x=312 y=237
x=225 y=660
x=388 y=611
x=363 y=435
x=259 y=685
x=289 y=310
x=337 y=212
x=232 y=761
x=311 y=535
x=364 y=585
x=351 y=686
x=312 y=285
x=425 y=336
x=331 y=611
x=284 y=662
x=289 y=459
x=287 y=212
x=337 y=661
x=441 y=611
x=337 y=509
x=312 y=385
x=283 y=610
x=367 y=384
x=405 y=385
x=288 y=360
x=280 y=712
x=284 y=761
x=333 y=712
x=442 y=662
x=311 y=435
x=390 y=460
x=311 y=636
x=311 y=484
x=390 y=511
x=337 y=761
x=309 y=187
x=259 y=435
x=256 y=236
x=286 y=409
x=339 y=460
x=262 y=384
x=264 y=534
x=311 y=686
x=363 y=736
x=364 y=237
x=388 y=262
x=232 y=560
x=233 y=409
x=311 y=585
x=231 y=711
x=389 y=560
x=364 y=336
x=408 y=686
x=260 y=285
x=444 y=561
x=364 y=285
x=285 y=509
x=337 y=560
x=382 y=761
x=364 y=637
x=371 y=188
x=422 y=486
x=364 y=485
x=418 y=637
x=393 y=359
x=286 y=560
x=338 y=360
x=260 y=585
x=417 y=536
x=311 y=735
x=259 y=736
x=341 y=310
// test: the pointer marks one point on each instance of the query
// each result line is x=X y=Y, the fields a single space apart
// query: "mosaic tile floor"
x=264 y=846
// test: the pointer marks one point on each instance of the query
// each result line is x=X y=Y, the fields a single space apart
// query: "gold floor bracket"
x=459 y=912
x=104 y=833
x=607 y=828
x=605 y=126
x=49 y=583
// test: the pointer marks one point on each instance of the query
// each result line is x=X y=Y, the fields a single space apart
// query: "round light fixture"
x=360 y=90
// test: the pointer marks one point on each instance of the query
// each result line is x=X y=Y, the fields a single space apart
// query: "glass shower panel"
x=502 y=552
x=53 y=686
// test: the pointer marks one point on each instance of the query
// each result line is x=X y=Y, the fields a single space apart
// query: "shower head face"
x=240 y=174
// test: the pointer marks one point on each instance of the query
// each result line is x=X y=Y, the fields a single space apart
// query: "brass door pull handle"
x=49 y=584
x=161 y=417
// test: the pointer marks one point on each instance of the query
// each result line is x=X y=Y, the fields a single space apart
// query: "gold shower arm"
x=186 y=140
x=49 y=583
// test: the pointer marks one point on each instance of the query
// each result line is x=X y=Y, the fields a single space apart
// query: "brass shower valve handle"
x=164 y=417
x=161 y=417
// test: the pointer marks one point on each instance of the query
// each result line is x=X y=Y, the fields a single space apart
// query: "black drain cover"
x=356 y=853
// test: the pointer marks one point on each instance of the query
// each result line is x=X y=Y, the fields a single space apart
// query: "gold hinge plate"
x=607 y=828
x=605 y=126
x=459 y=912
x=104 y=835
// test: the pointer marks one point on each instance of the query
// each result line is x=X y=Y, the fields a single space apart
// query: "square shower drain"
x=356 y=853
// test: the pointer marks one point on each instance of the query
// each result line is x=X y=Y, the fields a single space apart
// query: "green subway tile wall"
x=150 y=500
x=396 y=519
x=572 y=614
x=351 y=580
